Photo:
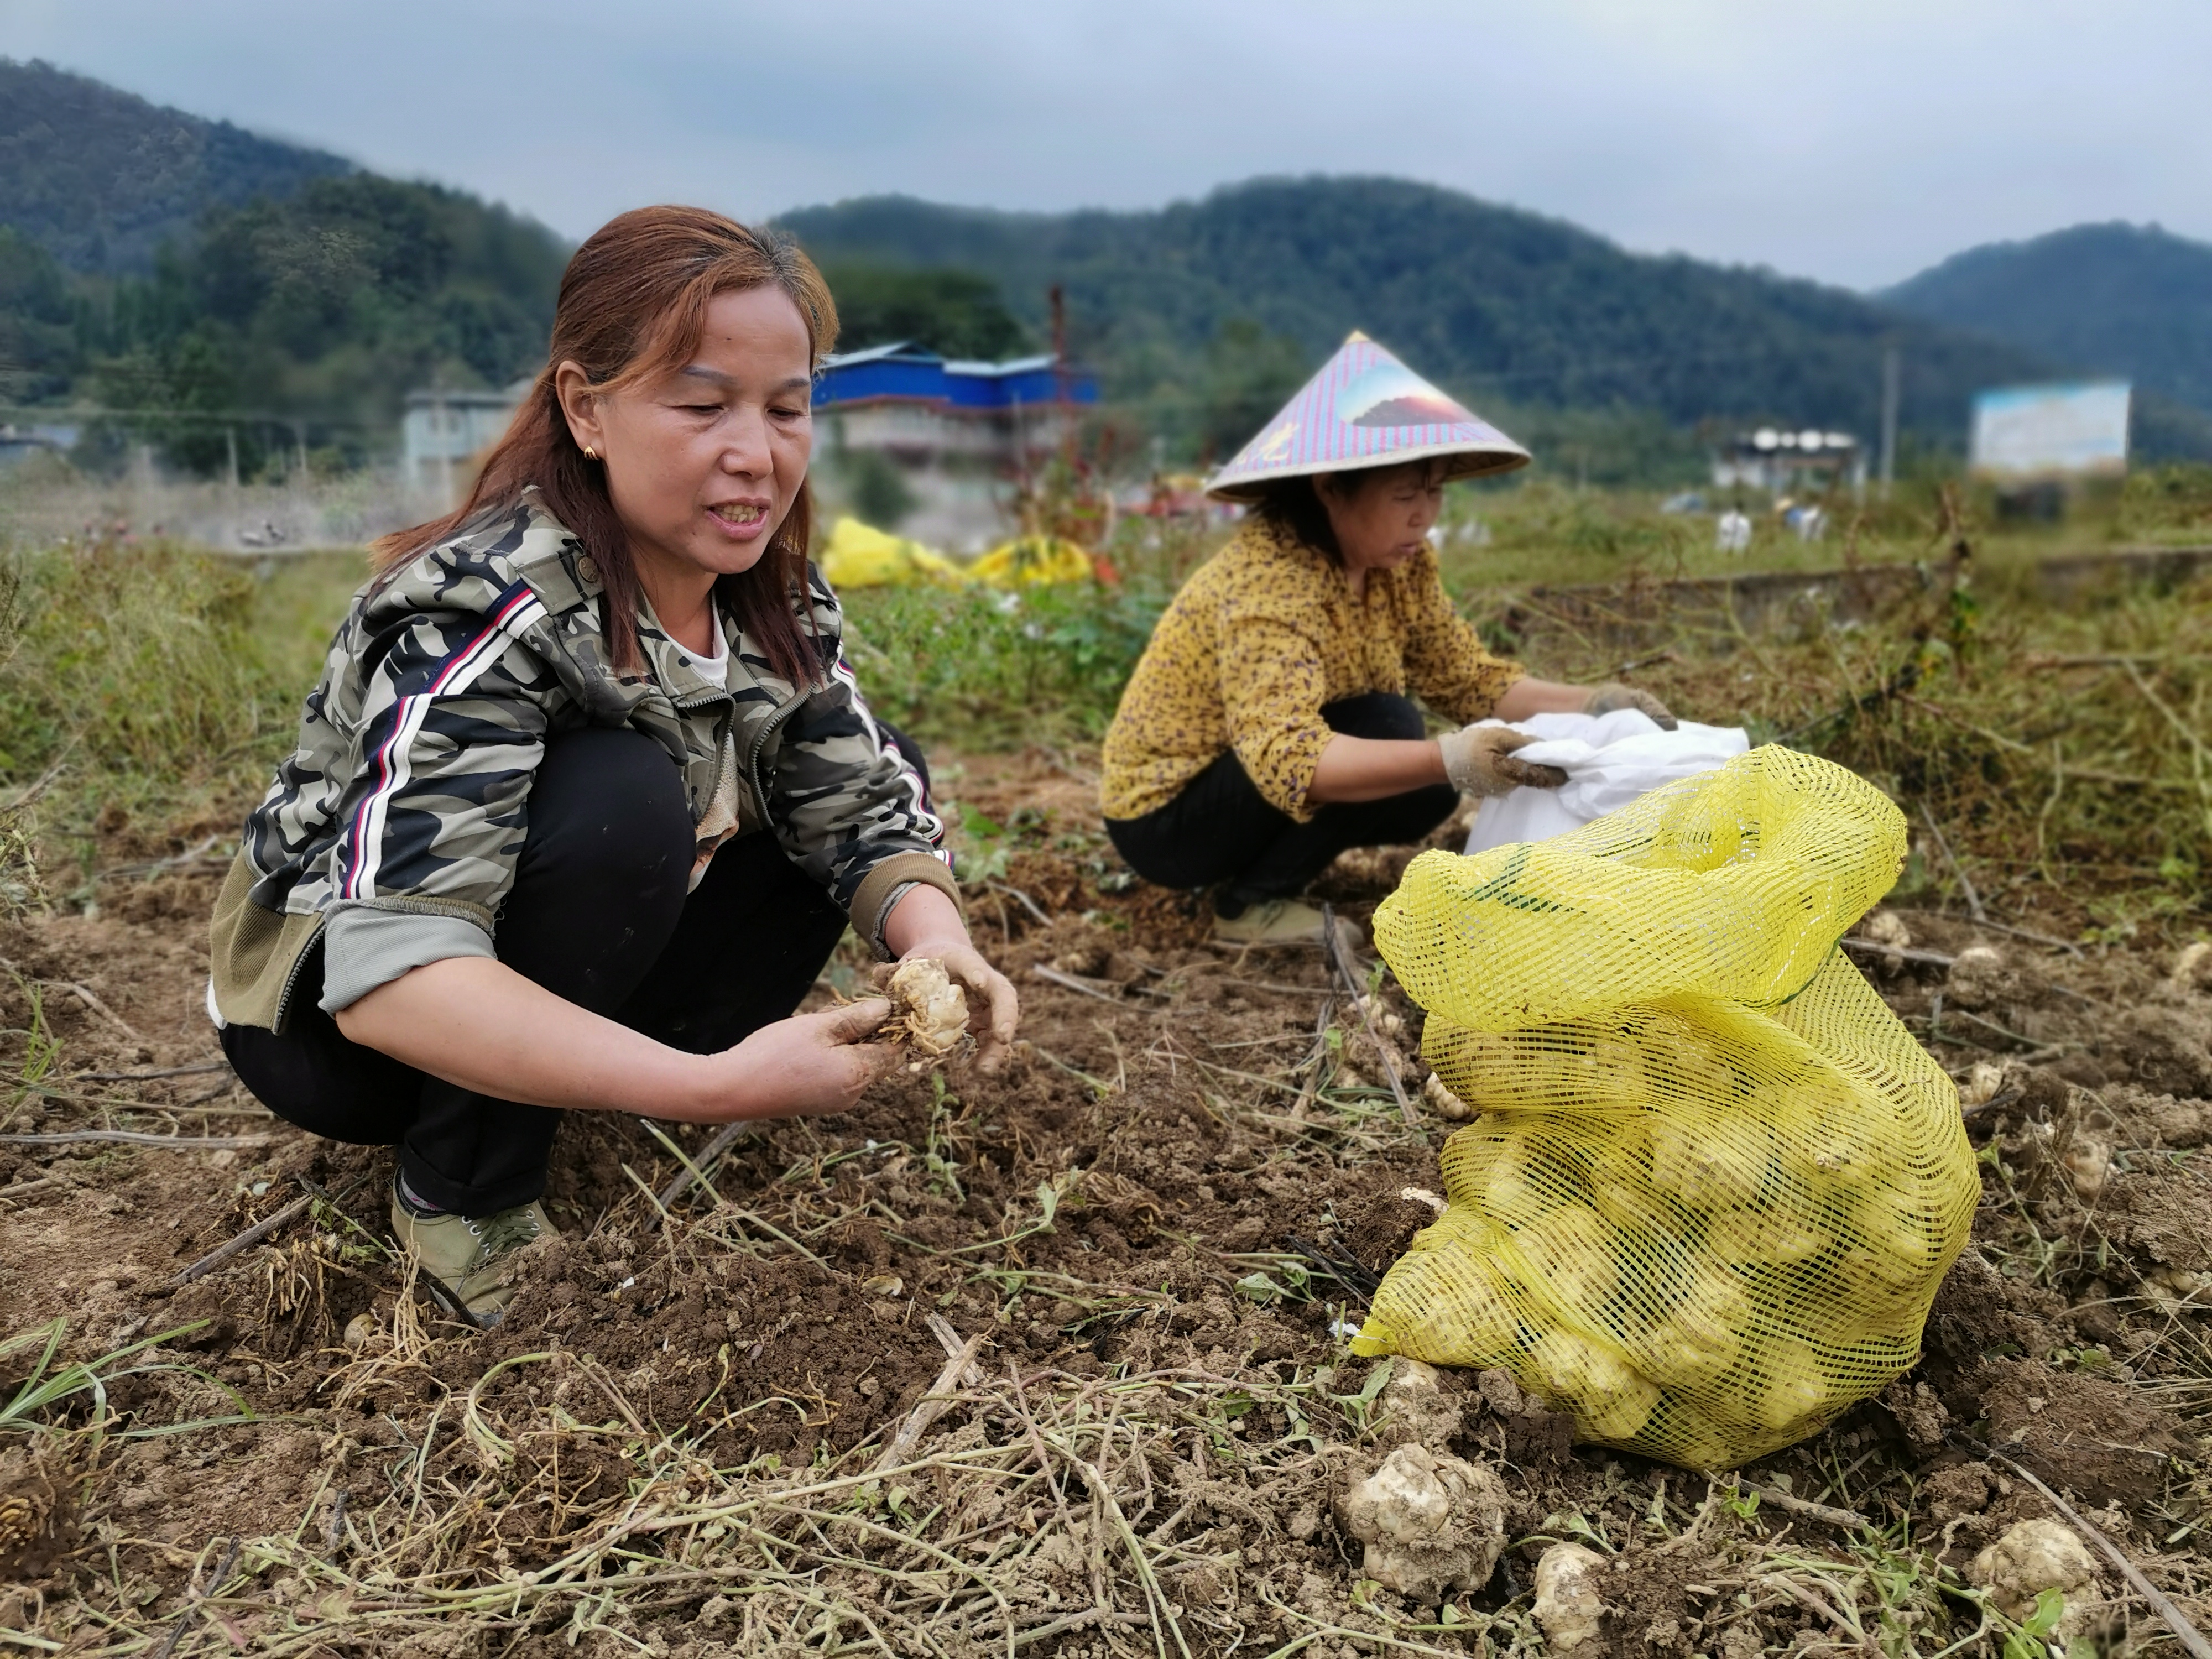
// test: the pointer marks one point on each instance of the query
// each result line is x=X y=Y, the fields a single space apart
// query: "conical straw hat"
x=1364 y=408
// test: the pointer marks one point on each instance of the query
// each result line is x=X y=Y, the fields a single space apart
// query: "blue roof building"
x=903 y=372
x=960 y=431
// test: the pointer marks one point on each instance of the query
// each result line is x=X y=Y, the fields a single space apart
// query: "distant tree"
x=955 y=313
x=1250 y=374
x=1493 y=303
x=101 y=179
x=875 y=488
x=2119 y=299
x=37 y=321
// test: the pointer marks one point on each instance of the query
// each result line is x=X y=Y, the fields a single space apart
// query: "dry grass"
x=2059 y=749
x=1019 y=1509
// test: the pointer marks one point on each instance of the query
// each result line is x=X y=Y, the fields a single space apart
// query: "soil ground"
x=1130 y=1260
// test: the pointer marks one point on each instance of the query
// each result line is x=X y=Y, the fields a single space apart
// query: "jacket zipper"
x=784 y=712
x=686 y=705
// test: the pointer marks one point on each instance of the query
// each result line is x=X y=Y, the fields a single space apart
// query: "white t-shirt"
x=721 y=821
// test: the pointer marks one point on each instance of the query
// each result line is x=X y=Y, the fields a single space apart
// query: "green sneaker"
x=467 y=1255
x=1283 y=921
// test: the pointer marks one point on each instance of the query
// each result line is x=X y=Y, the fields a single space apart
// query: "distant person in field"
x=1272 y=723
x=588 y=794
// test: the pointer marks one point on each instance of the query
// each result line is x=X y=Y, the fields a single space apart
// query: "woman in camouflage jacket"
x=587 y=792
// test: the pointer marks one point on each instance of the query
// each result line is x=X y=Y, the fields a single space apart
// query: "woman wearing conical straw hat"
x=1273 y=721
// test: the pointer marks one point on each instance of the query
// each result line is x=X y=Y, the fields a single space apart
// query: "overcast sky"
x=1854 y=143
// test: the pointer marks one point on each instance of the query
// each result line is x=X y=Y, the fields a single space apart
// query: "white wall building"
x=444 y=433
x=1778 y=462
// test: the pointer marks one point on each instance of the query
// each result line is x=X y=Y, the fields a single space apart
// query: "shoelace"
x=509 y=1230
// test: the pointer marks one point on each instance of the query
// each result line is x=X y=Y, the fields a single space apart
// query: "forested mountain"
x=328 y=307
x=154 y=262
x=1509 y=308
x=2117 y=299
x=100 y=178
x=277 y=282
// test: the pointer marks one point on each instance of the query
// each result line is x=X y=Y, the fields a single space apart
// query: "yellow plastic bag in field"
x=1715 y=1183
x=1033 y=559
x=861 y=556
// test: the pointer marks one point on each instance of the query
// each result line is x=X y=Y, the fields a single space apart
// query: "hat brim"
x=1478 y=458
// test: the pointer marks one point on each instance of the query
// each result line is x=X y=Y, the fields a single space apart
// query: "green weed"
x=48 y=1384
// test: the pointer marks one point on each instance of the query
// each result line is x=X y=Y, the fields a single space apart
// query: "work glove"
x=1479 y=760
x=1610 y=698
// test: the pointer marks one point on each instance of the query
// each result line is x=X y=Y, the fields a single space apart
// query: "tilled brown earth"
x=1046 y=1363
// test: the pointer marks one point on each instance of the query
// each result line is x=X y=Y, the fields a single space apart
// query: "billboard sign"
x=2024 y=433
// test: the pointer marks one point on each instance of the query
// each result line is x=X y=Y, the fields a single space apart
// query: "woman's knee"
x=314 y=1079
x=1382 y=714
x=1396 y=820
x=607 y=805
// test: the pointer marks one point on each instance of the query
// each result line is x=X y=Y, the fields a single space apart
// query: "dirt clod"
x=1425 y=1404
x=2165 y=1049
x=1432 y=1523
x=1981 y=978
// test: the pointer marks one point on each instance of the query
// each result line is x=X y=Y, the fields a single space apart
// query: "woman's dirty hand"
x=1479 y=760
x=1613 y=696
x=806 y=1065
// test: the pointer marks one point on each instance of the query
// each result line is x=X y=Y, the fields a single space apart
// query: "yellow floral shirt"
x=1262 y=635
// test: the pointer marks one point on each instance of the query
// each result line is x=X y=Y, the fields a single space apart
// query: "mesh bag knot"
x=1715 y=1183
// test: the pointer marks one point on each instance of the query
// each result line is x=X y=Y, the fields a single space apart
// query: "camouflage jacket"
x=390 y=833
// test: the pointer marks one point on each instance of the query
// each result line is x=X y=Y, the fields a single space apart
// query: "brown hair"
x=1295 y=508
x=633 y=304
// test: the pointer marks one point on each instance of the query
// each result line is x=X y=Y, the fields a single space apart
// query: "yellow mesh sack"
x=1714 y=1183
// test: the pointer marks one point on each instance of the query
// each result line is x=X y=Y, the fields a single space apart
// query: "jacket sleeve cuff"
x=1284 y=774
x=872 y=904
x=364 y=947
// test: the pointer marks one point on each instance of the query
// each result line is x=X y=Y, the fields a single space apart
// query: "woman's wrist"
x=924 y=922
x=1373 y=769
x=1530 y=696
x=717 y=1088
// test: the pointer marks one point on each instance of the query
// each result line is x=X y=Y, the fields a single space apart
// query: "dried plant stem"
x=139 y=1138
x=942 y=1392
x=253 y=1235
x=1068 y=981
x=1335 y=949
x=695 y=1168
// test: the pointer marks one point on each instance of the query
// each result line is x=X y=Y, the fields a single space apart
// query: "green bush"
x=156 y=676
x=983 y=668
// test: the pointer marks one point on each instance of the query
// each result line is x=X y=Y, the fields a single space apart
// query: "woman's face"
x=1381 y=519
x=703 y=462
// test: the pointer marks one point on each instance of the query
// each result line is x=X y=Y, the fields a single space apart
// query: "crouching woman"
x=586 y=794
x=1272 y=723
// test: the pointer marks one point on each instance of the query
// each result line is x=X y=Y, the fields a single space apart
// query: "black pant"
x=1220 y=829
x=598 y=915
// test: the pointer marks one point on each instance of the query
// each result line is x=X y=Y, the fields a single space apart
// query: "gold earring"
x=590 y=454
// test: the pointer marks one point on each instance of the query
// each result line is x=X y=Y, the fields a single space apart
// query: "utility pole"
x=1058 y=297
x=1890 y=376
x=1064 y=410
